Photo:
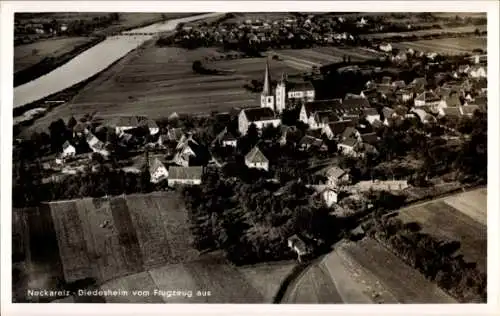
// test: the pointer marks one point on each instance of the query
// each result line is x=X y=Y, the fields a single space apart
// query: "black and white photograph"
x=249 y=157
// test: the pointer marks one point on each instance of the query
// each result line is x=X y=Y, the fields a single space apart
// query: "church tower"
x=281 y=94
x=266 y=97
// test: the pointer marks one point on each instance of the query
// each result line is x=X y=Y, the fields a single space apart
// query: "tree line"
x=434 y=258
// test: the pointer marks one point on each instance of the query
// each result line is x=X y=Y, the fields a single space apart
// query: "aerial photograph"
x=249 y=157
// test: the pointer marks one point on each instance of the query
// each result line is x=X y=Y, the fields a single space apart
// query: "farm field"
x=379 y=270
x=226 y=283
x=305 y=59
x=157 y=81
x=461 y=218
x=448 y=46
x=146 y=245
x=28 y=55
x=77 y=246
x=460 y=29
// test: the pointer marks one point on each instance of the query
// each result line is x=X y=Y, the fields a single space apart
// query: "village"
x=348 y=127
x=269 y=153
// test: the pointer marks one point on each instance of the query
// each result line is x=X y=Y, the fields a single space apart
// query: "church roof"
x=256 y=156
x=266 y=89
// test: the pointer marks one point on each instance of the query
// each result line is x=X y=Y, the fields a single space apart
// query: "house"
x=68 y=150
x=418 y=85
x=184 y=175
x=469 y=110
x=300 y=91
x=369 y=138
x=298 y=246
x=327 y=194
x=335 y=129
x=381 y=185
x=400 y=57
x=321 y=119
x=124 y=123
x=350 y=132
x=96 y=145
x=389 y=114
x=452 y=112
x=347 y=146
x=308 y=142
x=354 y=105
x=464 y=69
x=386 y=47
x=429 y=99
x=80 y=129
x=477 y=71
x=309 y=109
x=186 y=150
x=423 y=116
x=285 y=130
x=336 y=177
x=157 y=171
x=371 y=115
x=362 y=22
x=174 y=134
x=225 y=139
x=404 y=95
x=256 y=159
x=260 y=117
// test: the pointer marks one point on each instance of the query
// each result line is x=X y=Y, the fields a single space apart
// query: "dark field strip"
x=131 y=260
x=405 y=283
x=151 y=236
x=172 y=216
x=71 y=240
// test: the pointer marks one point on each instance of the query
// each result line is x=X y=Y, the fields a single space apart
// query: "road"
x=92 y=61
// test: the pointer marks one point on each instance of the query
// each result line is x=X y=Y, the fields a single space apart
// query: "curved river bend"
x=92 y=61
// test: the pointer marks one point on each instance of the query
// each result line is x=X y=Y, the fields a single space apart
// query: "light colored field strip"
x=348 y=290
x=299 y=60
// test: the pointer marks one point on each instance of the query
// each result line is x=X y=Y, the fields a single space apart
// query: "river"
x=92 y=61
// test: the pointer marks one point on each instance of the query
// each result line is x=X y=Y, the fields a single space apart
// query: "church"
x=284 y=93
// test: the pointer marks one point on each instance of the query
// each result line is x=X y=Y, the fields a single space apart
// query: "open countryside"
x=145 y=244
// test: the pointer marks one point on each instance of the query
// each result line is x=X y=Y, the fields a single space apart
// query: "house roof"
x=387 y=112
x=428 y=96
x=348 y=132
x=334 y=172
x=66 y=144
x=452 y=111
x=422 y=115
x=175 y=134
x=185 y=173
x=224 y=135
x=298 y=243
x=259 y=114
x=369 y=138
x=321 y=105
x=470 y=109
x=299 y=86
x=480 y=100
x=155 y=164
x=453 y=100
x=256 y=156
x=401 y=110
x=443 y=92
x=386 y=80
x=399 y=84
x=338 y=128
x=351 y=142
x=370 y=111
x=325 y=117
x=352 y=103
x=308 y=140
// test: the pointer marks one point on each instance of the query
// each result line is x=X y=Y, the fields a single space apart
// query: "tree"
x=71 y=123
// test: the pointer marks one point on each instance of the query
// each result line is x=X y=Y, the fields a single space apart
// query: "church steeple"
x=266 y=89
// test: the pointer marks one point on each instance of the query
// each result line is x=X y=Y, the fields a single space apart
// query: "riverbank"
x=51 y=61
